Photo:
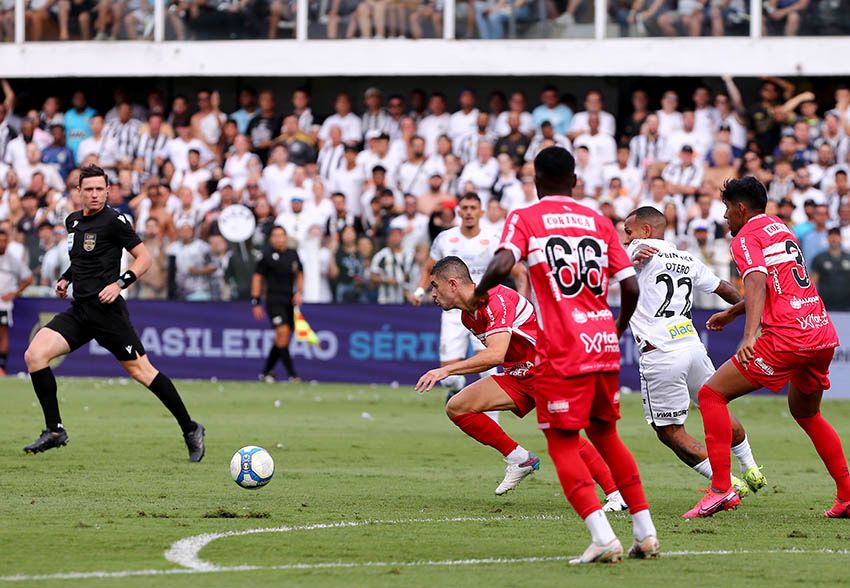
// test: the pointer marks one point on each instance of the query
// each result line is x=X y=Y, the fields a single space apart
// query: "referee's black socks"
x=164 y=389
x=287 y=361
x=274 y=355
x=45 y=388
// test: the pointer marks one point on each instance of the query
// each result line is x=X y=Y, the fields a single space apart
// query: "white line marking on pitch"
x=185 y=552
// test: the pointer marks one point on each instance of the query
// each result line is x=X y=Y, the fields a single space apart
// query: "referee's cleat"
x=48 y=440
x=195 y=442
x=755 y=479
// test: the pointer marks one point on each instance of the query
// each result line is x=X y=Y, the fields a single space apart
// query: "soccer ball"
x=252 y=467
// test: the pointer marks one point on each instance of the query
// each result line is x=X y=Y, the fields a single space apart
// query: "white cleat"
x=611 y=553
x=614 y=503
x=517 y=472
x=649 y=548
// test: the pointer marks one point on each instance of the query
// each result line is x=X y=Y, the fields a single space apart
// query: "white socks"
x=600 y=529
x=517 y=456
x=494 y=415
x=643 y=525
x=744 y=454
x=703 y=468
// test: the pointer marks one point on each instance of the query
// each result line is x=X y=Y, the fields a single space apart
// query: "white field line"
x=185 y=552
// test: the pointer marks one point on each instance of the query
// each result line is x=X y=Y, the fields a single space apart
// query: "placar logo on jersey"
x=685 y=329
x=89 y=240
x=600 y=342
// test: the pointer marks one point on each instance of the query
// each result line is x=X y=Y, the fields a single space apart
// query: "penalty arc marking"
x=186 y=553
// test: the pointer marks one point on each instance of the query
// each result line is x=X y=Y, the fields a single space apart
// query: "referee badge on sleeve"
x=89 y=239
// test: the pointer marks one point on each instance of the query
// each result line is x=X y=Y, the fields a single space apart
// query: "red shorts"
x=570 y=403
x=808 y=371
x=520 y=390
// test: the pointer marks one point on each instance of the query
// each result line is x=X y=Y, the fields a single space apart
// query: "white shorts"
x=455 y=338
x=670 y=380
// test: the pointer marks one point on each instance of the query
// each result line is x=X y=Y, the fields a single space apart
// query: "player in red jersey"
x=507 y=326
x=796 y=344
x=572 y=253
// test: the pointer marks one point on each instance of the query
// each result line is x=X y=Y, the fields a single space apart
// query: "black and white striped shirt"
x=330 y=160
x=381 y=121
x=6 y=135
x=645 y=150
x=122 y=139
x=395 y=265
x=147 y=149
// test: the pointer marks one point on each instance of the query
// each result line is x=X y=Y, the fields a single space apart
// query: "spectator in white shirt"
x=331 y=155
x=435 y=124
x=466 y=147
x=349 y=180
x=669 y=118
x=630 y=177
x=593 y=104
x=707 y=116
x=94 y=143
x=412 y=177
x=819 y=168
x=602 y=147
x=400 y=143
x=658 y=195
x=177 y=150
x=277 y=175
x=465 y=120
x=352 y=127
x=547 y=133
x=378 y=153
x=590 y=174
x=494 y=219
x=193 y=177
x=481 y=173
x=241 y=162
x=688 y=135
x=376 y=118
x=683 y=176
x=34 y=166
x=518 y=104
x=413 y=224
x=804 y=191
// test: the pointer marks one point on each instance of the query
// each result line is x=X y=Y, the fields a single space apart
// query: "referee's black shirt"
x=279 y=268
x=94 y=245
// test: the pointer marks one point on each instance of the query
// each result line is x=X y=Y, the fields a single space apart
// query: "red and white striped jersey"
x=792 y=309
x=573 y=253
x=506 y=311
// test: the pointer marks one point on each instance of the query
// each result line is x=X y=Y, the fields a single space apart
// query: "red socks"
x=572 y=472
x=828 y=445
x=484 y=430
x=718 y=436
x=604 y=436
x=596 y=465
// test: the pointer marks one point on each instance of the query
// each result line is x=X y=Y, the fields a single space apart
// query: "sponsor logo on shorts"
x=685 y=329
x=569 y=220
x=746 y=251
x=580 y=317
x=89 y=240
x=599 y=342
x=798 y=303
x=520 y=370
x=813 y=321
x=558 y=406
x=671 y=414
x=760 y=363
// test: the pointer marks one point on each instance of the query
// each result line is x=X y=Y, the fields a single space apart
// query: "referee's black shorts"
x=108 y=324
x=281 y=313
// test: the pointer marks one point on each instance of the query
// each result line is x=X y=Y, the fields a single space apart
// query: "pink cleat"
x=713 y=502
x=839 y=510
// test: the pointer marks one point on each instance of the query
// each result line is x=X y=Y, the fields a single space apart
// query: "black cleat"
x=195 y=442
x=48 y=440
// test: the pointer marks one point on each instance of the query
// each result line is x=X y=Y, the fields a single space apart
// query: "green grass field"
x=122 y=492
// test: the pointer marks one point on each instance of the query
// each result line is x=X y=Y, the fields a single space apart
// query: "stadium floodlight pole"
x=20 y=21
x=302 y=8
x=755 y=19
x=158 y=21
x=449 y=7
x=600 y=18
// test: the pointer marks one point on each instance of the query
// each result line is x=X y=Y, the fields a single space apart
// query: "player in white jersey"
x=674 y=363
x=475 y=248
x=15 y=276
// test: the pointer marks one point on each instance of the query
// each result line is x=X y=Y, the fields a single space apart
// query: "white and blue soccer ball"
x=252 y=467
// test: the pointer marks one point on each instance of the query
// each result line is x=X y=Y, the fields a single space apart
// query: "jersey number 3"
x=671 y=289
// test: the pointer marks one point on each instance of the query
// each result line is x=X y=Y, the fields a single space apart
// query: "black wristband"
x=255 y=301
x=126 y=279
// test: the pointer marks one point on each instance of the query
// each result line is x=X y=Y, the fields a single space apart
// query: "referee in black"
x=281 y=270
x=96 y=237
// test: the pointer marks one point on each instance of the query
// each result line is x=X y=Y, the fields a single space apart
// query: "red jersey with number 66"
x=572 y=253
x=794 y=314
x=506 y=311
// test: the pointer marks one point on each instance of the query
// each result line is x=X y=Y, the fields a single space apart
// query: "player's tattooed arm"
x=500 y=268
x=489 y=357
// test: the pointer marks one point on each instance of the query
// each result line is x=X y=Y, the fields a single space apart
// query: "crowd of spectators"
x=484 y=19
x=362 y=195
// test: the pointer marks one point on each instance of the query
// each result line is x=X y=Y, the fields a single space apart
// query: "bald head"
x=646 y=222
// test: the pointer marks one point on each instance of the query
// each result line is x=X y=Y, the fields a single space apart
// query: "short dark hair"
x=834 y=231
x=748 y=191
x=554 y=163
x=840 y=172
x=470 y=196
x=92 y=171
x=649 y=215
x=454 y=267
x=276 y=227
x=335 y=194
